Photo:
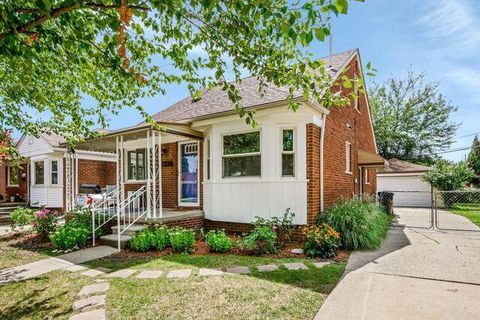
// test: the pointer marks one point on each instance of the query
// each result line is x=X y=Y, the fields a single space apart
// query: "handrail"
x=102 y=211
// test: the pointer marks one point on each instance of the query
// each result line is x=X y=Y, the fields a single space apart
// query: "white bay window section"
x=288 y=153
x=241 y=155
x=54 y=171
x=39 y=172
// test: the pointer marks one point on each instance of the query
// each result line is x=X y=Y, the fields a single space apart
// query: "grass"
x=471 y=211
x=47 y=297
x=281 y=294
x=21 y=248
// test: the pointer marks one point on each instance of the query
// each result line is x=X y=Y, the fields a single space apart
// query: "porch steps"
x=130 y=231
x=127 y=235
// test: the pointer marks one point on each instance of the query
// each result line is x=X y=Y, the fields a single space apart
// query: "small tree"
x=473 y=160
x=447 y=176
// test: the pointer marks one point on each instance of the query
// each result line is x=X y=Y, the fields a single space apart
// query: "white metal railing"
x=103 y=211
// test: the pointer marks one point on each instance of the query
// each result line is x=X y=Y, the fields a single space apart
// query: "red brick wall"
x=7 y=191
x=313 y=172
x=339 y=184
x=3 y=179
x=97 y=172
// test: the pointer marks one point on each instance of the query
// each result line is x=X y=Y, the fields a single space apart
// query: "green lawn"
x=17 y=249
x=471 y=211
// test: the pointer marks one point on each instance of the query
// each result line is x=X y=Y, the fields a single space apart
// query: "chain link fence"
x=457 y=210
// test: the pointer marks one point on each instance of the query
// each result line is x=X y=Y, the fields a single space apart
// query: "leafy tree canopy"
x=66 y=65
x=411 y=118
x=473 y=159
x=447 y=176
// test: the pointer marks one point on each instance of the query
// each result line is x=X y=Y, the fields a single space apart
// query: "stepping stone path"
x=100 y=287
x=93 y=273
x=321 y=264
x=76 y=268
x=210 y=272
x=239 y=270
x=123 y=273
x=267 y=267
x=90 y=315
x=185 y=273
x=295 y=266
x=91 y=305
x=149 y=274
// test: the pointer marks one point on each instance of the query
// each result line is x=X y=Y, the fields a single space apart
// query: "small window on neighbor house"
x=366 y=177
x=13 y=176
x=54 y=171
x=241 y=155
x=288 y=153
x=348 y=157
x=39 y=168
x=136 y=164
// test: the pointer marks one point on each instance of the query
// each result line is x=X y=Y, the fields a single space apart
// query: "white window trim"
x=356 y=99
x=294 y=152
x=207 y=164
x=9 y=168
x=348 y=157
x=223 y=155
x=51 y=173
x=179 y=178
x=34 y=171
x=365 y=176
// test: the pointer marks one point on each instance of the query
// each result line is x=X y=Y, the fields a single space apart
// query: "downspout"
x=322 y=138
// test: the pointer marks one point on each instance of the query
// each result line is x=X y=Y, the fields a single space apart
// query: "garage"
x=405 y=180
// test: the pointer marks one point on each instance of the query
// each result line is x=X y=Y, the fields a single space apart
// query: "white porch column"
x=160 y=196
x=154 y=174
x=149 y=177
x=71 y=179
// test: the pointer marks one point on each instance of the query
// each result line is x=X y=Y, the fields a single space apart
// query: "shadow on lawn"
x=34 y=305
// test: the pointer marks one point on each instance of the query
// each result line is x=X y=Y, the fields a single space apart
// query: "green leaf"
x=319 y=34
x=341 y=6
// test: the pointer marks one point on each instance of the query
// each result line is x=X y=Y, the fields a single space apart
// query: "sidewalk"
x=416 y=274
x=43 y=266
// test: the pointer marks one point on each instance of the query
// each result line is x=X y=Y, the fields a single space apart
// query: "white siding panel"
x=50 y=197
x=31 y=146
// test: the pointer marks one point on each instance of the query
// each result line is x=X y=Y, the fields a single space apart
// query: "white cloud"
x=466 y=77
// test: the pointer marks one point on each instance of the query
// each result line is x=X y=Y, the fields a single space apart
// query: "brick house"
x=207 y=167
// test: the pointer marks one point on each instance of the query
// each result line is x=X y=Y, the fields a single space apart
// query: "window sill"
x=349 y=172
x=13 y=186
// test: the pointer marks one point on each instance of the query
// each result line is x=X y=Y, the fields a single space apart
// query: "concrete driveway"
x=416 y=274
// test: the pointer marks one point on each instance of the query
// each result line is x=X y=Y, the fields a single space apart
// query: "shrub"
x=283 y=226
x=160 y=238
x=45 y=220
x=70 y=236
x=218 y=241
x=142 y=241
x=321 y=241
x=262 y=240
x=447 y=176
x=21 y=217
x=182 y=240
x=361 y=224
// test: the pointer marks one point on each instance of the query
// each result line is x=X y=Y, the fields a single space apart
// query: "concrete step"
x=130 y=231
x=112 y=240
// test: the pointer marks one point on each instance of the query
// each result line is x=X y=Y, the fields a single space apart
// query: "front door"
x=188 y=179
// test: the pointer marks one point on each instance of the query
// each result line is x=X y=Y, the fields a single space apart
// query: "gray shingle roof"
x=399 y=166
x=216 y=100
x=54 y=139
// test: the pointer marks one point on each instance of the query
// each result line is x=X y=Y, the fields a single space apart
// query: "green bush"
x=69 y=236
x=182 y=240
x=160 y=238
x=283 y=226
x=218 y=241
x=142 y=241
x=21 y=217
x=321 y=241
x=361 y=224
x=262 y=240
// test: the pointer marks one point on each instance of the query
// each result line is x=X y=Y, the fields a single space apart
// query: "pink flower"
x=40 y=214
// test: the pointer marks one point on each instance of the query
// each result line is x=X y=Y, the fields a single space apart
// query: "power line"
x=467 y=135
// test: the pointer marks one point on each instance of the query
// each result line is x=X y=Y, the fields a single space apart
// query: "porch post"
x=68 y=174
x=149 y=176
x=154 y=175
x=119 y=188
x=160 y=196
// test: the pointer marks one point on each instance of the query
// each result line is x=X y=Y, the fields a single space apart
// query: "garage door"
x=410 y=190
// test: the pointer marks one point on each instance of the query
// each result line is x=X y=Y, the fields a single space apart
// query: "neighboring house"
x=406 y=179
x=42 y=179
x=217 y=171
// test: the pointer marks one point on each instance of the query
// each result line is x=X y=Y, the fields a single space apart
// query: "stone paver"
x=90 y=302
x=321 y=264
x=93 y=273
x=297 y=251
x=91 y=289
x=184 y=273
x=149 y=274
x=267 y=267
x=122 y=273
x=295 y=266
x=76 y=268
x=98 y=314
x=239 y=270
x=210 y=272
x=103 y=269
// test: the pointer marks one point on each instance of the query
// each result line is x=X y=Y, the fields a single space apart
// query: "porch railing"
x=104 y=211
x=133 y=208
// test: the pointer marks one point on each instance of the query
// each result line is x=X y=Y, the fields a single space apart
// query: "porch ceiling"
x=171 y=132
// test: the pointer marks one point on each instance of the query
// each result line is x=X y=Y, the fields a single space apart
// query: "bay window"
x=241 y=155
x=39 y=168
x=288 y=153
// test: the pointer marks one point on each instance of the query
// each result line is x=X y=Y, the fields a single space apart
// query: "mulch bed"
x=27 y=241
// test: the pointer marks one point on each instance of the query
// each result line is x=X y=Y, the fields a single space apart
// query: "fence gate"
x=413 y=209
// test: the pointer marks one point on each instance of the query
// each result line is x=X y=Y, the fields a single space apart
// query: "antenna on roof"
x=330 y=47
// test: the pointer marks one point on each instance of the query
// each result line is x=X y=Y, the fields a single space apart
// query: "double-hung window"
x=13 y=176
x=288 y=153
x=54 y=171
x=348 y=157
x=241 y=155
x=39 y=168
x=136 y=164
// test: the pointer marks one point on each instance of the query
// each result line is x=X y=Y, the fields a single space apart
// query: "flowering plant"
x=45 y=220
x=321 y=241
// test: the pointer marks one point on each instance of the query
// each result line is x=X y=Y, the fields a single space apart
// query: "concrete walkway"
x=43 y=266
x=416 y=274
